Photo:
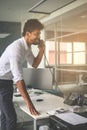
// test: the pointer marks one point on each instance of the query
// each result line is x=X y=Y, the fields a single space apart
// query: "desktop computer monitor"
x=40 y=78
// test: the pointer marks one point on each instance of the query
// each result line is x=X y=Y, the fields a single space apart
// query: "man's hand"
x=32 y=109
x=38 y=58
x=41 y=45
x=21 y=86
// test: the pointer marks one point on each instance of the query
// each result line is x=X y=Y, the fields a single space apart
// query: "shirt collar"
x=25 y=44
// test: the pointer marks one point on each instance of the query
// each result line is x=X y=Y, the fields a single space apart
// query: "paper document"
x=72 y=118
x=51 y=112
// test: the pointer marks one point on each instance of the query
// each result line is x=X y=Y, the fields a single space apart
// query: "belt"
x=6 y=81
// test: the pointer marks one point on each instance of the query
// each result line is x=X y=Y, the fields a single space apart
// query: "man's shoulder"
x=20 y=40
x=16 y=43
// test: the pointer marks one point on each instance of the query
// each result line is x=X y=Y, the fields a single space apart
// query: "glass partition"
x=66 y=45
x=67 y=35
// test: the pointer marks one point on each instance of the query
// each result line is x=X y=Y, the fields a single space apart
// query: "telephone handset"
x=37 y=42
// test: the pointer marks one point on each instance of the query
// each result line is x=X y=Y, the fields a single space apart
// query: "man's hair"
x=31 y=25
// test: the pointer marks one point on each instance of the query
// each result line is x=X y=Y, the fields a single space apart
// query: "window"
x=79 y=53
x=65 y=48
x=67 y=53
x=50 y=52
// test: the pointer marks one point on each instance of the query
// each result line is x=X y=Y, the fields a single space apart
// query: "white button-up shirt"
x=12 y=59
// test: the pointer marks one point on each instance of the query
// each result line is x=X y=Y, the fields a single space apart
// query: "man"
x=11 y=70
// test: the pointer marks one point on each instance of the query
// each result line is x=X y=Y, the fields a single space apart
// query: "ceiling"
x=20 y=10
x=17 y=10
x=74 y=20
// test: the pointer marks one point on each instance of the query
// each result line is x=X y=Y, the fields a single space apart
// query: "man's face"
x=33 y=36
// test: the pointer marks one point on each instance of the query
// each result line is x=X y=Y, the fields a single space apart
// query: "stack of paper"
x=72 y=118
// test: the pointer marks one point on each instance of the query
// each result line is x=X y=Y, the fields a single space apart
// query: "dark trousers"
x=8 y=114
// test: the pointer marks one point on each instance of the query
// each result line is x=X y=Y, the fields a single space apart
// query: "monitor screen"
x=40 y=78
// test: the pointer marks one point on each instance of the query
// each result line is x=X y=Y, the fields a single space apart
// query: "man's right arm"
x=17 y=72
x=22 y=89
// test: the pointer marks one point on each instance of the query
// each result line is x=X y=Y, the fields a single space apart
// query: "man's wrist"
x=42 y=50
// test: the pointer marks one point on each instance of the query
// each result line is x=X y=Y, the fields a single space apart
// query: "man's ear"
x=28 y=33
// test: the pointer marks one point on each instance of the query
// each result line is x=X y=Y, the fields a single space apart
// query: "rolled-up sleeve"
x=16 y=69
x=19 y=52
x=16 y=65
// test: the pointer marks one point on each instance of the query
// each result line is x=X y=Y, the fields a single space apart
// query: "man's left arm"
x=37 y=59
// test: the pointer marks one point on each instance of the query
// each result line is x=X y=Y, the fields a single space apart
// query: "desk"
x=50 y=102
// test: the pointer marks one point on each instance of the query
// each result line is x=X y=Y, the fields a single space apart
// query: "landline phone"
x=37 y=42
x=76 y=99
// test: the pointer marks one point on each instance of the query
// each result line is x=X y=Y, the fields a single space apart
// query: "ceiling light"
x=49 y=6
x=4 y=35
